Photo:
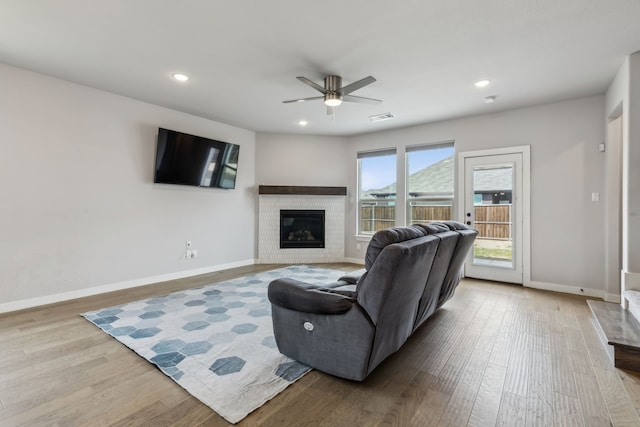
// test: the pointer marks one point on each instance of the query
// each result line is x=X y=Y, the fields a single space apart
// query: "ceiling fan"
x=334 y=93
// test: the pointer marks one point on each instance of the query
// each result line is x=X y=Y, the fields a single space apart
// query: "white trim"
x=525 y=150
x=358 y=261
x=630 y=280
x=566 y=289
x=96 y=290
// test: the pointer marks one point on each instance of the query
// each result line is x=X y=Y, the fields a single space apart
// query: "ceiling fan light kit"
x=334 y=93
x=332 y=99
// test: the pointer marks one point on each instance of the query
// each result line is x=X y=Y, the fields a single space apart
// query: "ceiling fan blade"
x=303 y=99
x=356 y=85
x=312 y=84
x=361 y=99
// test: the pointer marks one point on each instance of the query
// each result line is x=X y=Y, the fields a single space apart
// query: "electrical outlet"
x=188 y=244
x=188 y=254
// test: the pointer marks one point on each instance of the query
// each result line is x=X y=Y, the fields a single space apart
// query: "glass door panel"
x=493 y=206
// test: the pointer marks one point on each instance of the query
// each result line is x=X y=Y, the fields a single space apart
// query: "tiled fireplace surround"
x=272 y=199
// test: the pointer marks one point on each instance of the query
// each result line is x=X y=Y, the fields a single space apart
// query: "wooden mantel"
x=302 y=190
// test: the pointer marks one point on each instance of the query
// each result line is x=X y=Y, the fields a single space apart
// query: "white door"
x=493 y=204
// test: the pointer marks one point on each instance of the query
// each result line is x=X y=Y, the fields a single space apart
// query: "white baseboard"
x=96 y=290
x=596 y=293
x=613 y=298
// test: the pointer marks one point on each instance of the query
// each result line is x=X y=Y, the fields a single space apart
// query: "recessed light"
x=180 y=77
x=303 y=123
x=490 y=99
x=482 y=83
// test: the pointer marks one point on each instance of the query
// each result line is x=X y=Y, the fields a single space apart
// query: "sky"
x=378 y=172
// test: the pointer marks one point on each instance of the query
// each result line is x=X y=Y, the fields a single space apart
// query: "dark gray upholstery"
x=430 y=299
x=349 y=327
x=383 y=238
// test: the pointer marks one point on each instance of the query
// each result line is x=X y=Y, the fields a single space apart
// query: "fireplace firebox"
x=301 y=229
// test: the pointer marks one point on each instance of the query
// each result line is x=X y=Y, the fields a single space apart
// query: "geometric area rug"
x=215 y=341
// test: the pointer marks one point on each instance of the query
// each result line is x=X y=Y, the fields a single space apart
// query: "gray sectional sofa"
x=349 y=327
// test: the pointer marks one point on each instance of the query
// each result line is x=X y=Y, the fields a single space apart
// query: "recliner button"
x=308 y=326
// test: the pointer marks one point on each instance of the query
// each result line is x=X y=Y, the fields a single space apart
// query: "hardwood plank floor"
x=495 y=354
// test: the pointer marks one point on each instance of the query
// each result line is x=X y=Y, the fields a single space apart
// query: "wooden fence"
x=375 y=218
x=491 y=221
x=430 y=213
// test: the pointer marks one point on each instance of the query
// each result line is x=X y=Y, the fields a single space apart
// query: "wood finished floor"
x=495 y=354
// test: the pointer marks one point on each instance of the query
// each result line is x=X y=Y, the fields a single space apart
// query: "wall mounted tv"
x=185 y=159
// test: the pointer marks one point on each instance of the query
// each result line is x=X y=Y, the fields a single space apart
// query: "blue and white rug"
x=215 y=341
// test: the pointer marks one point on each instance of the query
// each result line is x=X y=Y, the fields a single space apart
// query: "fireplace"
x=301 y=229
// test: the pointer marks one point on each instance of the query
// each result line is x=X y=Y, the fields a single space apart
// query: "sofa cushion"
x=300 y=296
x=455 y=225
x=384 y=238
x=433 y=228
x=353 y=277
x=431 y=294
x=454 y=273
x=391 y=292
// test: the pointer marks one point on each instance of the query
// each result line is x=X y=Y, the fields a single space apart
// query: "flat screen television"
x=185 y=159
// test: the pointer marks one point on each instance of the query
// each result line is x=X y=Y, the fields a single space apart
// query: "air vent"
x=381 y=117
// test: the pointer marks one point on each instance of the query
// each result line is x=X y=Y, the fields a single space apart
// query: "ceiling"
x=243 y=56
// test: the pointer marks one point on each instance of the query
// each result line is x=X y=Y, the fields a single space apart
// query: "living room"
x=82 y=216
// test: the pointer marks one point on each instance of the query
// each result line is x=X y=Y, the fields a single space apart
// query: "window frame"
x=391 y=202
x=431 y=200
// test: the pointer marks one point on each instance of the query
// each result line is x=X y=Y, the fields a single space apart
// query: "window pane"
x=430 y=174
x=376 y=191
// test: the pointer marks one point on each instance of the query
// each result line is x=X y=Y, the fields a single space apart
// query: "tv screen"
x=185 y=159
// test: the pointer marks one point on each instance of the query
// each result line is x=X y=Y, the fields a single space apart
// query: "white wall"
x=80 y=213
x=623 y=98
x=633 y=160
x=567 y=228
x=285 y=159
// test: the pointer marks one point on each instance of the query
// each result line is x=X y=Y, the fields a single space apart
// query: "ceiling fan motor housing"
x=332 y=85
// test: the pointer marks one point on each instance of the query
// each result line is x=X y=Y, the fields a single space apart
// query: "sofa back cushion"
x=391 y=291
x=432 y=228
x=454 y=273
x=383 y=238
x=432 y=289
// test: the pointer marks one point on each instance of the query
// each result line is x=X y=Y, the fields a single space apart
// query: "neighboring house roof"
x=437 y=179
x=493 y=179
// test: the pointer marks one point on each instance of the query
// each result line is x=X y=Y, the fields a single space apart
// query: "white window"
x=376 y=191
x=430 y=176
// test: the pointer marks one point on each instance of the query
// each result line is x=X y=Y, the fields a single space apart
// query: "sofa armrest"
x=300 y=296
x=353 y=277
